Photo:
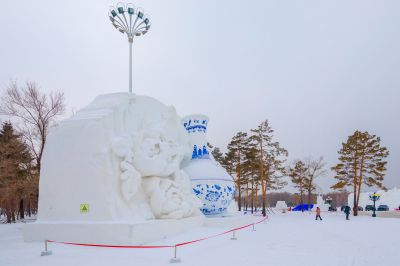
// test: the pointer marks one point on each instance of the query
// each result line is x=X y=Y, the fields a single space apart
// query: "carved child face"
x=159 y=142
x=158 y=153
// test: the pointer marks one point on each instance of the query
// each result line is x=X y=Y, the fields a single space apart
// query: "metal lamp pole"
x=329 y=201
x=130 y=66
x=131 y=21
x=374 y=197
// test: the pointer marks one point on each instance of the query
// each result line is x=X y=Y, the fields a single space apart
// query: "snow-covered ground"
x=286 y=239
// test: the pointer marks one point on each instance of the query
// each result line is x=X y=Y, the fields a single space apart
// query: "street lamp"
x=328 y=200
x=131 y=21
x=374 y=197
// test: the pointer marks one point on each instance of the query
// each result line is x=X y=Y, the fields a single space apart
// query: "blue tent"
x=304 y=207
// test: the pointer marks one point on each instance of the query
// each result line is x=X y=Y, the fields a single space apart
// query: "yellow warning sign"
x=84 y=208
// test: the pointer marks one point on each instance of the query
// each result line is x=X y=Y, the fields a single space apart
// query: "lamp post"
x=374 y=197
x=131 y=21
x=329 y=201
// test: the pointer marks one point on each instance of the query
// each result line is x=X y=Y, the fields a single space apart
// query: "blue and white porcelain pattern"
x=210 y=181
x=216 y=196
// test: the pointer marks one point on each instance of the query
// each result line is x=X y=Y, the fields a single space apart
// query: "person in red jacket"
x=318 y=210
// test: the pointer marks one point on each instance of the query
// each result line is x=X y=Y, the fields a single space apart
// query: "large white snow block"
x=110 y=168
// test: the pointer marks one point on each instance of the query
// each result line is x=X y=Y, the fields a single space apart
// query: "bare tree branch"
x=36 y=112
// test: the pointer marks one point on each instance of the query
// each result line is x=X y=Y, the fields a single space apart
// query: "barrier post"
x=46 y=252
x=175 y=259
x=233 y=235
x=254 y=229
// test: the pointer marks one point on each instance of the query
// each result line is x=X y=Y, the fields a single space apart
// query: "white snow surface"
x=286 y=239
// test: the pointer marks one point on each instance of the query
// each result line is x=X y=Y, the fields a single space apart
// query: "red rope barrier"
x=212 y=236
x=106 y=246
x=166 y=246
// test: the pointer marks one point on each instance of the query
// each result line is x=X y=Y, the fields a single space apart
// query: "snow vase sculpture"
x=211 y=183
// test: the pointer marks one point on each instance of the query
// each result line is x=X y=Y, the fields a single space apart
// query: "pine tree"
x=298 y=174
x=218 y=155
x=250 y=166
x=235 y=155
x=362 y=161
x=271 y=157
x=15 y=161
x=275 y=172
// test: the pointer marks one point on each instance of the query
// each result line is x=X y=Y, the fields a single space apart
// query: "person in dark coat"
x=347 y=212
x=318 y=214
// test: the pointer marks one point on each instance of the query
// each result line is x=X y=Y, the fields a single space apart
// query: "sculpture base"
x=110 y=233
x=230 y=221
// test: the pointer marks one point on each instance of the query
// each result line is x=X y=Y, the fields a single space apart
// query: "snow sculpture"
x=210 y=182
x=321 y=203
x=171 y=199
x=120 y=157
x=281 y=205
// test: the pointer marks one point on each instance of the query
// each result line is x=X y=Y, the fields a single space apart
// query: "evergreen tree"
x=250 y=166
x=15 y=160
x=218 y=155
x=210 y=146
x=362 y=161
x=298 y=175
x=275 y=172
x=235 y=155
x=271 y=157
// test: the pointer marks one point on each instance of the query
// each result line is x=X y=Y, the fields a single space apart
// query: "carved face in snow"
x=159 y=142
x=155 y=137
x=158 y=153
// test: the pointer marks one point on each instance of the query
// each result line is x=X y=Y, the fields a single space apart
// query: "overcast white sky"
x=318 y=70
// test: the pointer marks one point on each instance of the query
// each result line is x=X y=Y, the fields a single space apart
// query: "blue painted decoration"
x=216 y=198
x=210 y=181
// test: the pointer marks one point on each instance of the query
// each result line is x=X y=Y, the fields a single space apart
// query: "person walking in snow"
x=318 y=215
x=347 y=212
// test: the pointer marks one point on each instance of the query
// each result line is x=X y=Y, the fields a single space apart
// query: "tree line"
x=258 y=163
x=30 y=115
